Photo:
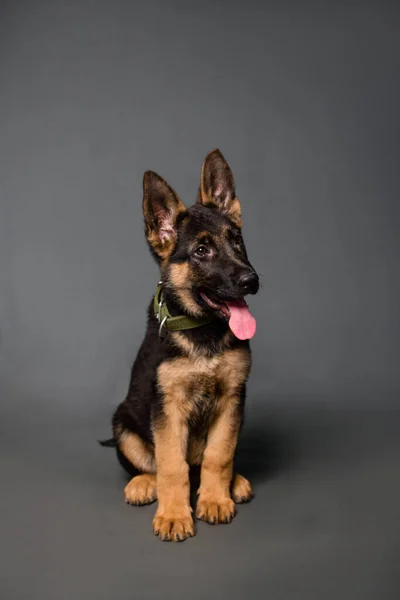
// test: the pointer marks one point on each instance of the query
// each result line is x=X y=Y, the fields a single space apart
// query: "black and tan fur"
x=187 y=390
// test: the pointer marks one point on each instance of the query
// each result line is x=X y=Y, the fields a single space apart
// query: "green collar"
x=171 y=323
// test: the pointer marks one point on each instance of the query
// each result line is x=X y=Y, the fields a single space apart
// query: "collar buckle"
x=160 y=304
x=162 y=325
x=169 y=322
x=159 y=310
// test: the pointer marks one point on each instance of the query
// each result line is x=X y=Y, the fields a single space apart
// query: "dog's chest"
x=203 y=394
x=197 y=385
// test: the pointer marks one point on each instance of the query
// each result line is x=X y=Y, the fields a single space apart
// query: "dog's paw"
x=142 y=489
x=173 y=527
x=215 y=511
x=241 y=489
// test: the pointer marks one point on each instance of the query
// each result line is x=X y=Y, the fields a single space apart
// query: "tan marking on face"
x=140 y=454
x=203 y=235
x=180 y=277
x=180 y=274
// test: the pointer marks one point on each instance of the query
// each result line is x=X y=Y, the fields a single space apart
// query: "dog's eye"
x=238 y=240
x=201 y=251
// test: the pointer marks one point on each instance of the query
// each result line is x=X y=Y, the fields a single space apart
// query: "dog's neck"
x=208 y=340
x=175 y=308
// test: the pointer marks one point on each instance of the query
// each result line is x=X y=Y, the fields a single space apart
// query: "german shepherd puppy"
x=187 y=390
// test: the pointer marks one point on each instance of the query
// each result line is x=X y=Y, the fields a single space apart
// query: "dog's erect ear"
x=161 y=206
x=217 y=187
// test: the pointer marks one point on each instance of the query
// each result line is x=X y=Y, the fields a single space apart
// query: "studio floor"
x=324 y=523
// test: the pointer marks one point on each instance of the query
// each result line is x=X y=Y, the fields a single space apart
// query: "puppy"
x=187 y=390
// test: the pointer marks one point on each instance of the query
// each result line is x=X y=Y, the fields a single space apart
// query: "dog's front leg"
x=173 y=519
x=215 y=504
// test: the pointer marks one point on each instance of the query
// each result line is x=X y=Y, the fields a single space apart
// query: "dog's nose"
x=249 y=283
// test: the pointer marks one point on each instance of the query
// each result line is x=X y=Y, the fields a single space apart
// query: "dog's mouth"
x=236 y=312
x=217 y=305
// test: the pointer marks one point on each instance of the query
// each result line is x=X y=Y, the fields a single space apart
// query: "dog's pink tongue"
x=241 y=322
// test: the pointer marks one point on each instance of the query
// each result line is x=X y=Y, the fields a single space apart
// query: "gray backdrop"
x=303 y=100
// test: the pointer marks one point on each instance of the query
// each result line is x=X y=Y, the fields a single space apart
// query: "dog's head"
x=202 y=257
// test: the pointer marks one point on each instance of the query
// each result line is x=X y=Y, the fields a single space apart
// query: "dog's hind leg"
x=241 y=489
x=142 y=489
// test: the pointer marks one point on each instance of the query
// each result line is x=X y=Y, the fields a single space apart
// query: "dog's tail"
x=111 y=443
